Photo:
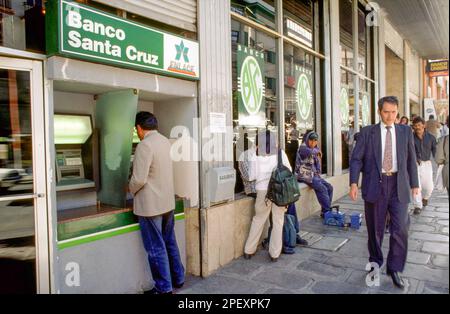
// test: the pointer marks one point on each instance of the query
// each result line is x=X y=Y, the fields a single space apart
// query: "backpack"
x=289 y=234
x=283 y=186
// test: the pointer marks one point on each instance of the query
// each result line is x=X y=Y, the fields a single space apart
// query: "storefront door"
x=24 y=258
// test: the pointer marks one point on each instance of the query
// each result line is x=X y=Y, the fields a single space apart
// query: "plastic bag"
x=439 y=184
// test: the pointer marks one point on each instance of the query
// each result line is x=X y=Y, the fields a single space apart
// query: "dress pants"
x=158 y=234
x=262 y=213
x=399 y=225
x=425 y=171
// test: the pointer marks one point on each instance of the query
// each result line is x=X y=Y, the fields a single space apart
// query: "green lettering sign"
x=251 y=87
x=86 y=33
x=304 y=97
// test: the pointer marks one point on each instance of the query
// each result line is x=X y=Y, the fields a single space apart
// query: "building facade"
x=213 y=72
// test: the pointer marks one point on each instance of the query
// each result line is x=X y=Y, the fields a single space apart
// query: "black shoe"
x=417 y=211
x=301 y=241
x=155 y=291
x=425 y=202
x=273 y=259
x=396 y=279
x=248 y=256
x=179 y=286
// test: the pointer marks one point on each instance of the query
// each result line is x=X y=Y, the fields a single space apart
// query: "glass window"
x=365 y=45
x=346 y=32
x=366 y=111
x=347 y=109
x=298 y=21
x=254 y=86
x=260 y=11
x=299 y=97
x=22 y=25
x=16 y=160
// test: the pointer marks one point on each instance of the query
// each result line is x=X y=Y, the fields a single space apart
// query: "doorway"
x=24 y=254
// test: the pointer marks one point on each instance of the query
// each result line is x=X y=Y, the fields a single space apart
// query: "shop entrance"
x=24 y=261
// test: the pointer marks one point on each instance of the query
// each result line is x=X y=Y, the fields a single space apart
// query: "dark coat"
x=366 y=158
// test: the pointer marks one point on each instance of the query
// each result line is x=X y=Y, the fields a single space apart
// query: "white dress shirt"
x=261 y=168
x=394 y=146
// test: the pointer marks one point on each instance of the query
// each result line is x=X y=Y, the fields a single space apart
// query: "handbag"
x=305 y=172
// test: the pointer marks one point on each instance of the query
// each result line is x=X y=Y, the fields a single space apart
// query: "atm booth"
x=98 y=243
x=95 y=85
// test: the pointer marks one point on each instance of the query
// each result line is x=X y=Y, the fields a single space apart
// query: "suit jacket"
x=366 y=158
x=152 y=179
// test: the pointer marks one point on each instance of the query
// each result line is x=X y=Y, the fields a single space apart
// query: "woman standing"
x=261 y=167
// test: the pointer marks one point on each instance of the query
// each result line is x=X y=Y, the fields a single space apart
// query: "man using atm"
x=154 y=202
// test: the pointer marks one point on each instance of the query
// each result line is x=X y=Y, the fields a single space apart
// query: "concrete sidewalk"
x=335 y=260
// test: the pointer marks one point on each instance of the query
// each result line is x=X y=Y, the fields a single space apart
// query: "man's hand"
x=415 y=192
x=353 y=191
x=319 y=154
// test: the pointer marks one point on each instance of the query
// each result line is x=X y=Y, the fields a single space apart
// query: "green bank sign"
x=89 y=34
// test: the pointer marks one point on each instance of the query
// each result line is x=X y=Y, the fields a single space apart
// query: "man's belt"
x=389 y=174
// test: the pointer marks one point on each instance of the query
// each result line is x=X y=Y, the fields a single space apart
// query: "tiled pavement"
x=336 y=262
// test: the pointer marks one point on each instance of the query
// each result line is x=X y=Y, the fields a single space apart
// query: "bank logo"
x=182 y=51
x=365 y=110
x=344 y=106
x=250 y=85
x=304 y=96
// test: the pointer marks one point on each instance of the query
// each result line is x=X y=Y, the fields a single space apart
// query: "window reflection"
x=16 y=169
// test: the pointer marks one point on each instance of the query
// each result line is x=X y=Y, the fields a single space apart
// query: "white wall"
x=181 y=112
x=74 y=103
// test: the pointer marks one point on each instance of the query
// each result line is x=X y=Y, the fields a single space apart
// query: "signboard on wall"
x=251 y=86
x=90 y=34
x=298 y=32
x=344 y=107
x=437 y=68
x=304 y=97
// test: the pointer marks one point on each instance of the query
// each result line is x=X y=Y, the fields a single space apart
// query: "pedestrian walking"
x=433 y=126
x=385 y=154
x=425 y=147
x=308 y=170
x=261 y=167
x=154 y=202
x=442 y=157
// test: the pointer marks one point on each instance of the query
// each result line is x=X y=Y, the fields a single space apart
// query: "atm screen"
x=72 y=129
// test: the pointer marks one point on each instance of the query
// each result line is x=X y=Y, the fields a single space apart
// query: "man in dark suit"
x=385 y=154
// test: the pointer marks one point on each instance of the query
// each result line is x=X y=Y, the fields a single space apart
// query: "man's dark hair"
x=431 y=117
x=418 y=120
x=389 y=99
x=146 y=120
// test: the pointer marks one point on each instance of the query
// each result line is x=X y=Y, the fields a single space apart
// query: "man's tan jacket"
x=152 y=179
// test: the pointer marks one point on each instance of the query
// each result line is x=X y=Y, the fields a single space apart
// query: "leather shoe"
x=424 y=202
x=396 y=279
x=155 y=291
x=273 y=259
x=248 y=256
x=301 y=241
x=417 y=210
x=179 y=286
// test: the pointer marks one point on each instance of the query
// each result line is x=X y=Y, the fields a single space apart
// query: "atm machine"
x=75 y=152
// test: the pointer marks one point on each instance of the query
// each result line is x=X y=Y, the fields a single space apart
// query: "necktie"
x=387 y=159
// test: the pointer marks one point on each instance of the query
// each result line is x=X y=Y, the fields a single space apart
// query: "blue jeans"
x=324 y=192
x=158 y=234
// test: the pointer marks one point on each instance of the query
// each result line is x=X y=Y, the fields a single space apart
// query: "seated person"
x=308 y=169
